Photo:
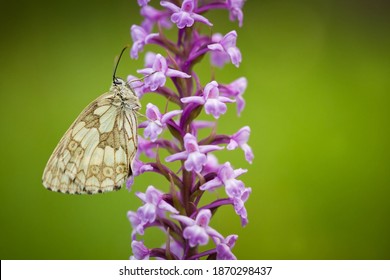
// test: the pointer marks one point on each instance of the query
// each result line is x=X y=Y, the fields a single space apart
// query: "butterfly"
x=96 y=152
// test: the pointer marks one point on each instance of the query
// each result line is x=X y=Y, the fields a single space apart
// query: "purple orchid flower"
x=140 y=38
x=156 y=121
x=139 y=250
x=138 y=168
x=239 y=205
x=227 y=46
x=227 y=177
x=236 y=90
x=198 y=231
x=235 y=10
x=154 y=205
x=136 y=223
x=235 y=189
x=194 y=154
x=214 y=104
x=240 y=139
x=218 y=58
x=156 y=76
x=185 y=15
x=224 y=248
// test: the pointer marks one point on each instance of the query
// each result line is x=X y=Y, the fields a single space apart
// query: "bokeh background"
x=317 y=103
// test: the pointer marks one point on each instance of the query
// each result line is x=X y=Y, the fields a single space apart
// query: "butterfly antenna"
x=114 y=79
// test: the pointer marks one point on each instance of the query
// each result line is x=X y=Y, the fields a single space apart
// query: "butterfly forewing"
x=96 y=152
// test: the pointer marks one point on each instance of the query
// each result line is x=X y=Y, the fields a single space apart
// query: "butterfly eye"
x=118 y=81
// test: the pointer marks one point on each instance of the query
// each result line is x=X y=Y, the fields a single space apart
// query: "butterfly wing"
x=96 y=152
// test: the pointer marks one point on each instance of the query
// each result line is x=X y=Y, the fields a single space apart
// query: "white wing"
x=96 y=152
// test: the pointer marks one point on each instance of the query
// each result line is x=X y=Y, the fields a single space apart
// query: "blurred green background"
x=317 y=103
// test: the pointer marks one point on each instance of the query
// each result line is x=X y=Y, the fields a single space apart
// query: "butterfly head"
x=118 y=81
x=125 y=94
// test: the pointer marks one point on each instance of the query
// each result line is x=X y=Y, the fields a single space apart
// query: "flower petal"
x=225 y=99
x=152 y=112
x=195 y=161
x=239 y=172
x=193 y=99
x=229 y=40
x=240 y=104
x=183 y=219
x=224 y=252
x=160 y=64
x=177 y=156
x=141 y=196
x=202 y=19
x=166 y=117
x=203 y=218
x=249 y=156
x=139 y=250
x=196 y=235
x=155 y=80
x=211 y=185
x=215 y=107
x=216 y=47
x=153 y=130
x=170 y=6
x=235 y=56
x=167 y=207
x=176 y=73
x=147 y=213
x=209 y=148
x=232 y=145
x=182 y=19
x=145 y=71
